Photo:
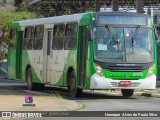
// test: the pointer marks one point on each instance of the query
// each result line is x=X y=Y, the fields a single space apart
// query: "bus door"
x=19 y=55
x=58 y=54
x=47 y=58
x=83 y=53
x=13 y=58
x=158 y=56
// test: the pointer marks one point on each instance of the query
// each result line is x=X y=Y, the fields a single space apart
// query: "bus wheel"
x=74 y=91
x=40 y=86
x=30 y=84
x=127 y=92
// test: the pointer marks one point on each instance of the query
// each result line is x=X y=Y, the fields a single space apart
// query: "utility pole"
x=149 y=12
x=97 y=3
x=115 y=5
x=140 y=6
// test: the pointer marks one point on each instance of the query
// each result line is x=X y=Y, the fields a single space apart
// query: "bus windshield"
x=123 y=45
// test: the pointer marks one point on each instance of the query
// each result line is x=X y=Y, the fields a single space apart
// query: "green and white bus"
x=96 y=51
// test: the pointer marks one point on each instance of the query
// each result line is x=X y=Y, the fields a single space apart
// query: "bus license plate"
x=125 y=83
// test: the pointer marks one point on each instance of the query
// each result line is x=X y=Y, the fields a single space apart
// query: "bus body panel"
x=98 y=82
x=53 y=68
x=12 y=63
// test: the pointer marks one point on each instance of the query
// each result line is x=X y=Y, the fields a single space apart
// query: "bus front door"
x=83 y=53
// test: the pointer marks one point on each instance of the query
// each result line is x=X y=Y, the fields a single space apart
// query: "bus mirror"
x=156 y=38
x=88 y=34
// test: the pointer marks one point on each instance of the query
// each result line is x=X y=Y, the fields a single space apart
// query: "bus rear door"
x=15 y=54
x=47 y=58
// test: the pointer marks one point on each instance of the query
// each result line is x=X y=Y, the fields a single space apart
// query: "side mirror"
x=156 y=37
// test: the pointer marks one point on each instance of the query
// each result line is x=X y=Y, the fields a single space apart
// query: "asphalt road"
x=93 y=101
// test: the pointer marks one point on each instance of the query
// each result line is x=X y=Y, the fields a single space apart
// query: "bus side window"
x=58 y=37
x=28 y=38
x=71 y=35
x=13 y=36
x=38 y=37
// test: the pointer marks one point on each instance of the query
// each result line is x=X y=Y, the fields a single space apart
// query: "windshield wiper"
x=136 y=31
x=133 y=36
x=112 y=33
x=133 y=41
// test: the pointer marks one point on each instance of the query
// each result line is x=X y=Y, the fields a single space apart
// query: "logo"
x=28 y=99
x=6 y=114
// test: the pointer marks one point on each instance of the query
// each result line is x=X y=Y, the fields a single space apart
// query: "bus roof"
x=66 y=18
x=50 y=20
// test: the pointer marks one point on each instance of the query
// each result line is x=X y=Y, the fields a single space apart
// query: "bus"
x=94 y=51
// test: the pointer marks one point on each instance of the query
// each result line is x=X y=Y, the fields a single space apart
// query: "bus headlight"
x=99 y=70
x=150 y=71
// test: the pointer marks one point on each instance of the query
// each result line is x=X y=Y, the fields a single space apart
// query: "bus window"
x=58 y=37
x=71 y=33
x=12 y=43
x=28 y=37
x=38 y=37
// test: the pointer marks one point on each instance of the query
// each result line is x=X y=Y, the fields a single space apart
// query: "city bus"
x=93 y=51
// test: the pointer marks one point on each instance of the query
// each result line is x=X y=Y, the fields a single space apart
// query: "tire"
x=40 y=86
x=74 y=91
x=30 y=85
x=127 y=92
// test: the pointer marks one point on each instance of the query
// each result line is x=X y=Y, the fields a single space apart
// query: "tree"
x=22 y=7
x=8 y=14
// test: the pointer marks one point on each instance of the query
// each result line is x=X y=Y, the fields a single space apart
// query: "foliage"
x=8 y=17
x=9 y=7
x=8 y=14
x=22 y=7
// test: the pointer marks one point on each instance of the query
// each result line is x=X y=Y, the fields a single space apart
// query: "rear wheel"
x=127 y=92
x=30 y=84
x=40 y=86
x=74 y=91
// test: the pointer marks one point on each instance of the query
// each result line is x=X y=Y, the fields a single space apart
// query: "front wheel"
x=127 y=92
x=74 y=91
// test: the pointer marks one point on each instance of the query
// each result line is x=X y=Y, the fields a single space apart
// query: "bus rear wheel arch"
x=30 y=84
x=74 y=90
x=127 y=92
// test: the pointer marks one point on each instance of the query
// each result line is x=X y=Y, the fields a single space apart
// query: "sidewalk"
x=13 y=100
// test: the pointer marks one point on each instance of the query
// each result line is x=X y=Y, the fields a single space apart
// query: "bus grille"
x=125 y=68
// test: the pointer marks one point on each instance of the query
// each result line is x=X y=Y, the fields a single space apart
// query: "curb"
x=137 y=93
x=156 y=95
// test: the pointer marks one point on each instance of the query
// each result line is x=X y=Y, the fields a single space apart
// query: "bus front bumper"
x=98 y=82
